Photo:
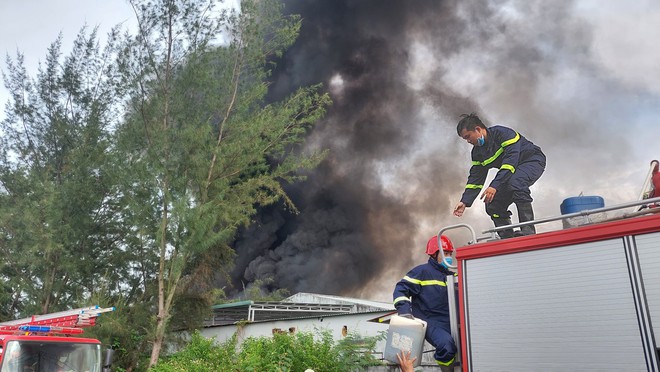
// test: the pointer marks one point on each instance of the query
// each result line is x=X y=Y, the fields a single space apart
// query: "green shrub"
x=282 y=352
x=200 y=355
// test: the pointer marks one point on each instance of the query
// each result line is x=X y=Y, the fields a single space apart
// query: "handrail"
x=464 y=225
x=647 y=180
x=577 y=214
x=453 y=313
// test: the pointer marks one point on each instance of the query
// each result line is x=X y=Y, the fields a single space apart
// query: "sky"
x=581 y=79
x=31 y=26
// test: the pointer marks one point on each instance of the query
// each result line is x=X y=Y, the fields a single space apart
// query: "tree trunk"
x=163 y=309
x=161 y=322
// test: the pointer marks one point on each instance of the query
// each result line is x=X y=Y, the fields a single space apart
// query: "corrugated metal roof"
x=232 y=304
x=299 y=306
x=323 y=298
x=382 y=314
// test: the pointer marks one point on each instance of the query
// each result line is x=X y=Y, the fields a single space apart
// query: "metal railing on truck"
x=636 y=212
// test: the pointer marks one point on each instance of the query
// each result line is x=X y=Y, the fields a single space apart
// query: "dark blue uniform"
x=426 y=286
x=520 y=164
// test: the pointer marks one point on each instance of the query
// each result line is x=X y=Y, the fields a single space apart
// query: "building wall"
x=335 y=324
x=357 y=323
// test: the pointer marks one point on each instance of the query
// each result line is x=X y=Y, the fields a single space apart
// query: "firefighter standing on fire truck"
x=422 y=293
x=520 y=163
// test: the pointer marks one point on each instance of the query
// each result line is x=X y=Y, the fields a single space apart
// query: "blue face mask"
x=448 y=260
x=481 y=141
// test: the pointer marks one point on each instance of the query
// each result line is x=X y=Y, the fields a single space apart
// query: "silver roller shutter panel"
x=648 y=249
x=558 y=309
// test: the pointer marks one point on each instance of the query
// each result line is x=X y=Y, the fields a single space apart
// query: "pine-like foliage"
x=57 y=224
x=200 y=147
x=126 y=169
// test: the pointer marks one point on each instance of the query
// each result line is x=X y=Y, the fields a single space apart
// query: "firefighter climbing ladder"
x=65 y=322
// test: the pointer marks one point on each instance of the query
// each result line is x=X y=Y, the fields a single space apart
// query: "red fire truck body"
x=585 y=298
x=45 y=343
x=49 y=353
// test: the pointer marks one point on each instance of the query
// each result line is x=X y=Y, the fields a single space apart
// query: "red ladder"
x=76 y=318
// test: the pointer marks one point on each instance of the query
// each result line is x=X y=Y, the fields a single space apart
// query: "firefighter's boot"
x=503 y=221
x=526 y=213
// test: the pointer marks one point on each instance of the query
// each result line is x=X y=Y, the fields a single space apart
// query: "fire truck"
x=52 y=343
x=582 y=298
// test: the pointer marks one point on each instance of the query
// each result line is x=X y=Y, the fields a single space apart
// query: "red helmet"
x=432 y=245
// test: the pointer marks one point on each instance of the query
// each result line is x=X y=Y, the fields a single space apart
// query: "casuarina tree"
x=200 y=146
x=58 y=230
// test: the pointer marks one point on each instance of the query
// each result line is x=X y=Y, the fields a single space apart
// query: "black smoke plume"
x=400 y=74
x=355 y=222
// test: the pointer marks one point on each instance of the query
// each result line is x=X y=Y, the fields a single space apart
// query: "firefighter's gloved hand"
x=403 y=307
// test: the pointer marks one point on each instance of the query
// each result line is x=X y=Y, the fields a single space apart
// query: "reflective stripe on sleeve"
x=509 y=167
x=511 y=141
x=402 y=298
x=425 y=282
x=472 y=186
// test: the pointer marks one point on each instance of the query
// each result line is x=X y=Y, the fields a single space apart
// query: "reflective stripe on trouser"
x=441 y=339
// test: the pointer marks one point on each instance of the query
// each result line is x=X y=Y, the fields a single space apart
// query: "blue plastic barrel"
x=581 y=203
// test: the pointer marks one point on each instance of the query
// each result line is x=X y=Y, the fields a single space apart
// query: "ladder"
x=651 y=186
x=59 y=322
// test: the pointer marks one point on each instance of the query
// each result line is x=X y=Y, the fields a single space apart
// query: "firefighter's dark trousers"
x=517 y=189
x=438 y=336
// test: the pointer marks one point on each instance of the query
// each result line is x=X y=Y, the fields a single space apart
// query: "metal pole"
x=453 y=313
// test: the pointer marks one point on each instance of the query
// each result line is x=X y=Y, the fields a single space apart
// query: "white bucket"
x=405 y=335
